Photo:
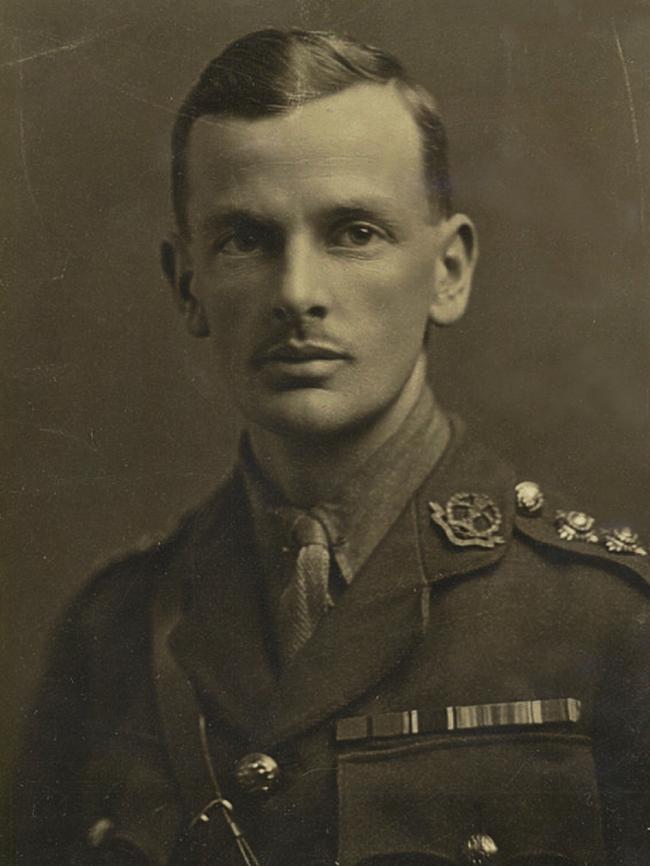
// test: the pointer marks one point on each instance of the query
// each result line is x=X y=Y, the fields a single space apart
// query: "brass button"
x=530 y=499
x=479 y=848
x=257 y=773
x=99 y=831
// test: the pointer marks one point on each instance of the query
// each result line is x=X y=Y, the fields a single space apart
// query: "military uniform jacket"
x=463 y=703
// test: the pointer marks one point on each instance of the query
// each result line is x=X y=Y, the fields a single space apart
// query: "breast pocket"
x=508 y=798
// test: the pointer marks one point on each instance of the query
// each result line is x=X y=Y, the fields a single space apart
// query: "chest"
x=366 y=783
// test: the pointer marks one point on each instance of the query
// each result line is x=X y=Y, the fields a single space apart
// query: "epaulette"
x=545 y=519
x=152 y=545
x=146 y=547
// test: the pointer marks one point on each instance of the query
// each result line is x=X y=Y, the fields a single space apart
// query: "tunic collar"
x=369 y=503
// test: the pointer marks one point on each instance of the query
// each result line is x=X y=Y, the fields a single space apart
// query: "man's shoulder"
x=483 y=508
x=549 y=522
x=121 y=585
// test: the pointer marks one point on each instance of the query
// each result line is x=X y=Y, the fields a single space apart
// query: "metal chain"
x=225 y=806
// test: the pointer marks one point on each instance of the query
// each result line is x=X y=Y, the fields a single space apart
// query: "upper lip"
x=299 y=350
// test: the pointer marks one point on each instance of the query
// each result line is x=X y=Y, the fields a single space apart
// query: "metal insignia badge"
x=530 y=499
x=623 y=540
x=576 y=526
x=469 y=520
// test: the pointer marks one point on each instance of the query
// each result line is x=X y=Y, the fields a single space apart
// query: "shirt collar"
x=369 y=502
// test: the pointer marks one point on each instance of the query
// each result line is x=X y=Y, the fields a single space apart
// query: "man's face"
x=315 y=257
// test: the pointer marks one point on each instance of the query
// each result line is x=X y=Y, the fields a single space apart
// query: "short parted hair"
x=270 y=72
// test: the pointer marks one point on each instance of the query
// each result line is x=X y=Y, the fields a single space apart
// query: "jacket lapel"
x=467 y=467
x=369 y=632
x=222 y=641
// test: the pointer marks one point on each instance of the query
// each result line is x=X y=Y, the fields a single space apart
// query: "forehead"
x=363 y=140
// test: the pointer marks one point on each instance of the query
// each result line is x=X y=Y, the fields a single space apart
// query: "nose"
x=300 y=292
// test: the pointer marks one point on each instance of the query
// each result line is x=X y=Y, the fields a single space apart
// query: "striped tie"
x=306 y=598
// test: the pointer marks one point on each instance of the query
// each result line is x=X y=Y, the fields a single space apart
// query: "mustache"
x=294 y=348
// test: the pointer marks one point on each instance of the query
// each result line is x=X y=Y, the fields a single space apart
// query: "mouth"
x=292 y=364
x=298 y=353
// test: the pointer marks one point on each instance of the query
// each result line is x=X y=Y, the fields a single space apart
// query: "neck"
x=310 y=470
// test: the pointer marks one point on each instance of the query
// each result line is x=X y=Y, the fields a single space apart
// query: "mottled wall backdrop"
x=115 y=417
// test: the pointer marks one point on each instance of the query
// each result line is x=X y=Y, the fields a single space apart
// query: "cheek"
x=396 y=301
x=232 y=310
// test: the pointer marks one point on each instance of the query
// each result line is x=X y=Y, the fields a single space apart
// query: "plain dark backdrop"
x=115 y=419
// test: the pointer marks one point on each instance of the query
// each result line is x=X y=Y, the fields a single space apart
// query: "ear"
x=176 y=264
x=454 y=269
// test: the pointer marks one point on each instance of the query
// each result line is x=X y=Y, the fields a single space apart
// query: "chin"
x=307 y=413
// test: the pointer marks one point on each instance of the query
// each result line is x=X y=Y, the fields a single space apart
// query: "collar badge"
x=623 y=540
x=576 y=526
x=469 y=520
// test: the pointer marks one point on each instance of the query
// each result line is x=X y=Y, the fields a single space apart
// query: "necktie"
x=305 y=599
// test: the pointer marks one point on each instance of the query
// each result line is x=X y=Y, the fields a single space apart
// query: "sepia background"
x=114 y=417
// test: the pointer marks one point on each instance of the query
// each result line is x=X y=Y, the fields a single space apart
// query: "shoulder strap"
x=579 y=534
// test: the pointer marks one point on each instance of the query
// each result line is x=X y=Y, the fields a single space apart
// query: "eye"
x=357 y=235
x=245 y=240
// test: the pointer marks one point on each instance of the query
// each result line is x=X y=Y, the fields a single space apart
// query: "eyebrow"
x=370 y=207
x=232 y=217
x=349 y=212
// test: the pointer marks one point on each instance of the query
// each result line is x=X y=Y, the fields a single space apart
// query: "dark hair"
x=273 y=71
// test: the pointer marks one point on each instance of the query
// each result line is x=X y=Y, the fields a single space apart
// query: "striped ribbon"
x=552 y=711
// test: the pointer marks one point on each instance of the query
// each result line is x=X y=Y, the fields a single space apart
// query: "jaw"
x=336 y=412
x=307 y=451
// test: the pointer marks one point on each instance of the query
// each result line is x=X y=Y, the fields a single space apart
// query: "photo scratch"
x=633 y=121
x=60 y=49
x=23 y=144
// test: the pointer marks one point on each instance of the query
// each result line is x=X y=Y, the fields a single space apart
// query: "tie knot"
x=306 y=530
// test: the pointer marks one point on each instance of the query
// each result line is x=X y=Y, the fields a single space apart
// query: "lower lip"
x=308 y=368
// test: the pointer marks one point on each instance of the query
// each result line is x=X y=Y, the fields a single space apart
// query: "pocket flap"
x=531 y=795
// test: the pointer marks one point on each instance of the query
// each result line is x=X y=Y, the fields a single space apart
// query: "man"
x=375 y=644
